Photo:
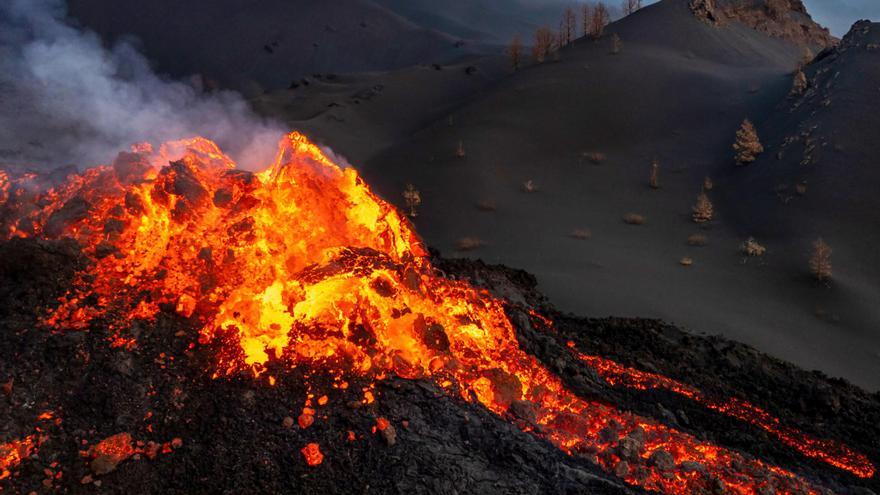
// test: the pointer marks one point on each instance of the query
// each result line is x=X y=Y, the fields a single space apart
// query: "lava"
x=12 y=453
x=828 y=451
x=301 y=264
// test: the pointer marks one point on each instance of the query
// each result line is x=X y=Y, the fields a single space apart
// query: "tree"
x=514 y=51
x=747 y=145
x=800 y=83
x=545 y=44
x=820 y=261
x=567 y=27
x=630 y=6
x=599 y=20
x=586 y=18
x=413 y=199
x=655 y=175
x=703 y=210
x=616 y=44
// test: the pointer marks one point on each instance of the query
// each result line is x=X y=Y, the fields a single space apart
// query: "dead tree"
x=567 y=27
x=586 y=18
x=630 y=6
x=599 y=20
x=820 y=261
x=413 y=199
x=545 y=44
x=514 y=51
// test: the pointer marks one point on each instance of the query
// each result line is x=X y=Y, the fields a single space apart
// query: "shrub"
x=703 y=210
x=580 y=234
x=698 y=240
x=752 y=248
x=486 y=205
x=529 y=186
x=634 y=219
x=469 y=243
x=459 y=152
x=708 y=185
x=514 y=51
x=686 y=261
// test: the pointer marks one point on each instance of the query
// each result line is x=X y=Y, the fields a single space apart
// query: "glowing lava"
x=303 y=264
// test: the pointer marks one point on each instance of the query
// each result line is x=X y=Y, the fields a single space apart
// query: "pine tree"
x=703 y=210
x=747 y=145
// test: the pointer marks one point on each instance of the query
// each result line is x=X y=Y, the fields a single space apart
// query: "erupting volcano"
x=301 y=265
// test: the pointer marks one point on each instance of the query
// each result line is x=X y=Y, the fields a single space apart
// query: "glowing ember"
x=828 y=451
x=312 y=453
x=304 y=265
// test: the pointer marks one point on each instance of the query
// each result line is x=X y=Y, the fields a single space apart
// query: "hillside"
x=584 y=130
x=258 y=45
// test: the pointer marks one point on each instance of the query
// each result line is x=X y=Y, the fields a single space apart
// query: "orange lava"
x=12 y=453
x=828 y=451
x=312 y=453
x=303 y=264
x=116 y=448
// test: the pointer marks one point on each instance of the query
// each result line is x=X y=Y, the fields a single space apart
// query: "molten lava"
x=303 y=265
x=828 y=451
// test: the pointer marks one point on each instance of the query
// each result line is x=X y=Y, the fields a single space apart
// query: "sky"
x=839 y=15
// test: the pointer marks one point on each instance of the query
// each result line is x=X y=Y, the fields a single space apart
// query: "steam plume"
x=66 y=99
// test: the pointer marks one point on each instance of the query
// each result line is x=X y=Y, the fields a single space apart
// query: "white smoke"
x=66 y=99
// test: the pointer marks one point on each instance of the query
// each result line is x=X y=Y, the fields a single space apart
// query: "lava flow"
x=303 y=265
x=828 y=451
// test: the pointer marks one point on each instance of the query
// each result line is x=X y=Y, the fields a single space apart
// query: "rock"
x=103 y=464
x=287 y=422
x=662 y=460
x=523 y=410
x=621 y=469
x=629 y=448
x=692 y=467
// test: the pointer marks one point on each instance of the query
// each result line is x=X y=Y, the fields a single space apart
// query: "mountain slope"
x=582 y=132
x=266 y=44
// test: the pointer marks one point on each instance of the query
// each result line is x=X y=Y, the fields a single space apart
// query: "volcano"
x=172 y=314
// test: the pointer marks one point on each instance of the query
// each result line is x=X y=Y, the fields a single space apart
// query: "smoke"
x=66 y=99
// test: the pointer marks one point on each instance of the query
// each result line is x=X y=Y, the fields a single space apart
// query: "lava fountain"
x=303 y=265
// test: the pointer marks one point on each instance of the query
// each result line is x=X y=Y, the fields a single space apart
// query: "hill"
x=562 y=151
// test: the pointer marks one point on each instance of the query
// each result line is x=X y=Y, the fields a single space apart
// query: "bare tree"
x=586 y=18
x=655 y=175
x=514 y=51
x=708 y=185
x=567 y=27
x=703 y=210
x=545 y=44
x=630 y=6
x=413 y=199
x=599 y=20
x=747 y=145
x=820 y=261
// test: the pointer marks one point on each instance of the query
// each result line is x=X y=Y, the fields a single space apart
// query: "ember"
x=303 y=265
x=313 y=455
